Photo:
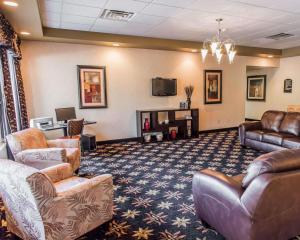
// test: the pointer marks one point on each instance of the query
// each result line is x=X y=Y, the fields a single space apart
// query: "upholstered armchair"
x=263 y=204
x=52 y=204
x=31 y=148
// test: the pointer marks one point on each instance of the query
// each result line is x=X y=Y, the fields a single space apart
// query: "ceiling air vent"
x=116 y=15
x=280 y=36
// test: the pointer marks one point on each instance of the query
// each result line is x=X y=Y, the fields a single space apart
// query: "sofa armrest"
x=248 y=126
x=63 y=143
x=216 y=185
x=42 y=154
x=59 y=172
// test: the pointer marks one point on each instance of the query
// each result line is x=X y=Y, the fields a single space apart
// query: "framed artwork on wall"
x=212 y=86
x=92 y=86
x=256 y=88
x=288 y=86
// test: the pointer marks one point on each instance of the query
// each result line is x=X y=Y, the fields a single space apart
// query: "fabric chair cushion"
x=274 y=162
x=31 y=138
x=271 y=120
x=291 y=142
x=73 y=157
x=66 y=184
x=291 y=123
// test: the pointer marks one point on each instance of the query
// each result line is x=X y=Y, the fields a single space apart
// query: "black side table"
x=88 y=142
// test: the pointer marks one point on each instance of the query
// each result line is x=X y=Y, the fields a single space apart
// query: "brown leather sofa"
x=277 y=130
x=263 y=204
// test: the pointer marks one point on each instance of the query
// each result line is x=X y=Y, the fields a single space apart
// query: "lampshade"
x=231 y=56
x=228 y=47
x=204 y=52
x=213 y=47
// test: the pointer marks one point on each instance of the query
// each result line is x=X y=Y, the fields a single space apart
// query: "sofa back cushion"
x=291 y=123
x=31 y=138
x=274 y=162
x=271 y=120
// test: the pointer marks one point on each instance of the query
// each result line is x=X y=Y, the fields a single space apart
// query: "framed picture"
x=212 y=86
x=92 y=87
x=288 y=85
x=256 y=88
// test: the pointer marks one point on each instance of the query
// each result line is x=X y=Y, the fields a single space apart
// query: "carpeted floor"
x=153 y=184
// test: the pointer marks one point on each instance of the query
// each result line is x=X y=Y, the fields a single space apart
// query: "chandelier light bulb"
x=213 y=46
x=228 y=47
x=219 y=58
x=231 y=56
x=204 y=52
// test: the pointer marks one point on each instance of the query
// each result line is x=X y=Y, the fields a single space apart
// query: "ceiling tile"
x=147 y=19
x=175 y=3
x=108 y=26
x=75 y=26
x=51 y=16
x=160 y=10
x=50 y=6
x=134 y=28
x=81 y=10
x=51 y=24
x=77 y=19
x=125 y=5
x=90 y=3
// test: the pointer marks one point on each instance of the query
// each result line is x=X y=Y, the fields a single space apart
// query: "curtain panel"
x=9 y=41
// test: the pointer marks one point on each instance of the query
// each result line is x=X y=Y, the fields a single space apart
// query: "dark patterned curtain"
x=9 y=41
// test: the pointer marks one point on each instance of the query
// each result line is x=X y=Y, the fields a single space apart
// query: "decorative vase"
x=189 y=102
x=147 y=138
x=146 y=124
x=159 y=137
x=173 y=134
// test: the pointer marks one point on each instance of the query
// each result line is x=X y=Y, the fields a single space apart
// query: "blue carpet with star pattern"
x=153 y=196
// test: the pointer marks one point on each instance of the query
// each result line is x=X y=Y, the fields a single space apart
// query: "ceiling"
x=248 y=22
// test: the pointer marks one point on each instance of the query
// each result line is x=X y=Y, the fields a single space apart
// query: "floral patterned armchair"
x=31 y=148
x=52 y=204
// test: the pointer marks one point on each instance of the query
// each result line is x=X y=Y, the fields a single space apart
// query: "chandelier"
x=218 y=46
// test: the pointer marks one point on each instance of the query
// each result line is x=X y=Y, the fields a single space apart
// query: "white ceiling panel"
x=147 y=19
x=89 y=3
x=161 y=10
x=247 y=22
x=80 y=10
x=126 y=5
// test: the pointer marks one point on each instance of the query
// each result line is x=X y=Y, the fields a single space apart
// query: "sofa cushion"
x=274 y=162
x=275 y=138
x=271 y=120
x=291 y=142
x=291 y=123
x=256 y=134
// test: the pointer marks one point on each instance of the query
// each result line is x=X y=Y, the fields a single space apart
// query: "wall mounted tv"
x=164 y=87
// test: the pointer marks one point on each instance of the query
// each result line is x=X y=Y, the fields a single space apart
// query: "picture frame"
x=212 y=86
x=92 y=86
x=288 y=86
x=256 y=88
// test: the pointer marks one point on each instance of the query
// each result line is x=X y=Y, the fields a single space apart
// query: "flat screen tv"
x=164 y=87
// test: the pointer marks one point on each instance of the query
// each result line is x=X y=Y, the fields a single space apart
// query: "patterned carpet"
x=153 y=185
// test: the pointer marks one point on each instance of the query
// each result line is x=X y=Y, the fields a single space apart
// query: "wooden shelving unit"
x=180 y=119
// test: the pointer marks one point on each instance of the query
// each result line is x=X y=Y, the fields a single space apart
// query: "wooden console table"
x=185 y=121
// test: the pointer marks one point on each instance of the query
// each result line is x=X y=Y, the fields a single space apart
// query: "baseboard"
x=251 y=119
x=218 y=130
x=118 y=140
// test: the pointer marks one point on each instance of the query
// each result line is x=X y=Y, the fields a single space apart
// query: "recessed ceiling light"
x=270 y=56
x=11 y=3
x=116 y=44
x=194 y=50
x=25 y=33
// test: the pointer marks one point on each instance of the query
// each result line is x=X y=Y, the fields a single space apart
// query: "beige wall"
x=275 y=97
x=50 y=78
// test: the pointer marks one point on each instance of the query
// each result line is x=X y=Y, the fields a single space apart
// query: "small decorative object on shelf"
x=167 y=121
x=189 y=92
x=147 y=138
x=159 y=137
x=183 y=105
x=146 y=124
x=173 y=134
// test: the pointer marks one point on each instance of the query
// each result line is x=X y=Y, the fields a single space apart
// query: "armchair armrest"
x=42 y=154
x=63 y=143
x=217 y=185
x=247 y=126
x=59 y=172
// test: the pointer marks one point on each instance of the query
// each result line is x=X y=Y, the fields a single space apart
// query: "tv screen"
x=164 y=87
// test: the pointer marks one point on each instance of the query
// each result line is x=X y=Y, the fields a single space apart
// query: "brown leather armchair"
x=263 y=204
